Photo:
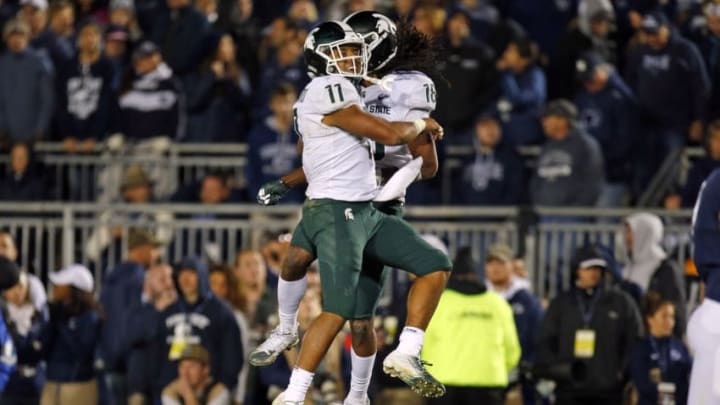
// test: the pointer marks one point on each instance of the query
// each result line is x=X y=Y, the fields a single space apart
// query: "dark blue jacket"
x=121 y=290
x=8 y=357
x=271 y=76
x=180 y=35
x=609 y=116
x=496 y=178
x=216 y=109
x=706 y=235
x=55 y=50
x=672 y=86
x=29 y=354
x=670 y=356
x=699 y=171
x=26 y=95
x=151 y=105
x=30 y=186
x=709 y=46
x=70 y=343
x=528 y=313
x=271 y=155
x=209 y=322
x=526 y=94
x=85 y=99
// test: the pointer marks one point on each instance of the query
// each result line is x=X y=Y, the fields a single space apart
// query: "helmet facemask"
x=346 y=57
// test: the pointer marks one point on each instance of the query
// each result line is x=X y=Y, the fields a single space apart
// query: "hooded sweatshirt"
x=649 y=267
x=706 y=235
x=209 y=322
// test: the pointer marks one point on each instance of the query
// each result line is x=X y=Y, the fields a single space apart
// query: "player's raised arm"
x=358 y=122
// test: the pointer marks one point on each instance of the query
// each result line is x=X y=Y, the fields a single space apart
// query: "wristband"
x=419 y=125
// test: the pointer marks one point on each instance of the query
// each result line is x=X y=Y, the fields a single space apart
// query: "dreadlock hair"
x=416 y=51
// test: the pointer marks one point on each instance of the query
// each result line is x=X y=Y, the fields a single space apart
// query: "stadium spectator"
x=570 y=168
x=304 y=12
x=650 y=267
x=586 y=336
x=660 y=358
x=116 y=50
x=122 y=15
x=122 y=289
x=25 y=324
x=283 y=63
x=8 y=250
x=670 y=112
x=236 y=17
x=484 y=17
x=179 y=30
x=209 y=9
x=526 y=308
x=272 y=145
x=430 y=20
x=55 y=43
x=85 y=95
x=475 y=369
x=590 y=33
x=34 y=14
x=195 y=384
x=707 y=39
x=545 y=21
x=145 y=355
x=256 y=297
x=90 y=12
x=218 y=93
x=200 y=317
x=522 y=92
x=608 y=112
x=70 y=340
x=701 y=168
x=224 y=285
x=26 y=180
x=9 y=276
x=495 y=175
x=136 y=188
x=471 y=76
x=150 y=100
x=25 y=88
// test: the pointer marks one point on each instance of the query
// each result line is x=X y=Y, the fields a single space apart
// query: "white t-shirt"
x=337 y=164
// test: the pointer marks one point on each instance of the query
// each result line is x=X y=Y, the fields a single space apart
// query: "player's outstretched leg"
x=291 y=289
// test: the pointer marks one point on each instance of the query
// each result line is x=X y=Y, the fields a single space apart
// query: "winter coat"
x=671 y=357
x=26 y=325
x=494 y=178
x=522 y=97
x=70 y=343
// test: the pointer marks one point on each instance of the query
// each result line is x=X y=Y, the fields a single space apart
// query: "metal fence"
x=53 y=234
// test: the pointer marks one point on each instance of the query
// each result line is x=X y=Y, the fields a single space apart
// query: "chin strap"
x=385 y=83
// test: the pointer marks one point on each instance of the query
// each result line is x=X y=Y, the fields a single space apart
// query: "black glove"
x=271 y=193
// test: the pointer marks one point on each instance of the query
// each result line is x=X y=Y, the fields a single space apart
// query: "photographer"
x=586 y=336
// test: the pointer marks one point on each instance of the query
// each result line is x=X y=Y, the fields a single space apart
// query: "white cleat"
x=411 y=370
x=270 y=349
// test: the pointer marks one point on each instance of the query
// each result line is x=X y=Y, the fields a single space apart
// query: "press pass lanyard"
x=587 y=311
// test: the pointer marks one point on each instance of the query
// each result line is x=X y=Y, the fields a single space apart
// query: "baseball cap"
x=585 y=66
x=589 y=256
x=500 y=251
x=652 y=22
x=75 y=275
x=15 y=26
x=38 y=4
x=561 y=108
x=195 y=352
x=142 y=237
x=144 y=50
x=9 y=273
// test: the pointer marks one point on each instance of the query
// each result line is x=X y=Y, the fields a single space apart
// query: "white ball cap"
x=75 y=275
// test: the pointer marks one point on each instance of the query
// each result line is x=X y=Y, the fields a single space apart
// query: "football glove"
x=271 y=193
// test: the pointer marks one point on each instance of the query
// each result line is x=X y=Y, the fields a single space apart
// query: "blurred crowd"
x=608 y=88
x=152 y=332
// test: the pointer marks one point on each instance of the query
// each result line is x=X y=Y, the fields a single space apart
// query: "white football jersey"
x=338 y=165
x=411 y=96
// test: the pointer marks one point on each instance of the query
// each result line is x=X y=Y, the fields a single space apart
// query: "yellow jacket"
x=471 y=340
